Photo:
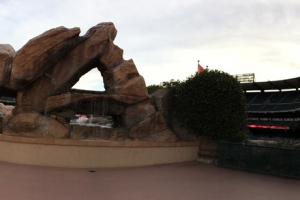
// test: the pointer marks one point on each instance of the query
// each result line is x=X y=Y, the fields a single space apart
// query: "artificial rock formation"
x=6 y=55
x=5 y=115
x=44 y=70
x=160 y=100
x=35 y=125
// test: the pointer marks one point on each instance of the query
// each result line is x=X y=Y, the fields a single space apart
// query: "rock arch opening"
x=92 y=81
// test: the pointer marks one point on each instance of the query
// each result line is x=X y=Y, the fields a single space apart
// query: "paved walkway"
x=186 y=181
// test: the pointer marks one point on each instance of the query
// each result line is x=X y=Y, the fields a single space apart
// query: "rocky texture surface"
x=136 y=113
x=160 y=100
x=208 y=147
x=5 y=115
x=6 y=55
x=114 y=104
x=35 y=125
x=96 y=132
x=44 y=70
x=40 y=54
x=5 y=110
x=153 y=128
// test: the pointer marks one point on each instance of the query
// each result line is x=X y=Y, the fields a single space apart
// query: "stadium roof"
x=293 y=83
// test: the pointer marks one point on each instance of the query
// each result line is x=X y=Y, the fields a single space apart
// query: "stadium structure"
x=271 y=106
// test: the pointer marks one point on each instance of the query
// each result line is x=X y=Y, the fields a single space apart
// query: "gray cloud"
x=168 y=37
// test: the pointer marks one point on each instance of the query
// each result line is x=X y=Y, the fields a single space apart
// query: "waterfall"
x=104 y=106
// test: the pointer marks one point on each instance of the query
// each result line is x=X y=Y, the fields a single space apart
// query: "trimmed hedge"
x=212 y=104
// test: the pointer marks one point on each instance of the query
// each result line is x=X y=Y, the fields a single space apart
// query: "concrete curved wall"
x=93 y=153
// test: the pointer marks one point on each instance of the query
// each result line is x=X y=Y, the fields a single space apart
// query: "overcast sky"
x=166 y=38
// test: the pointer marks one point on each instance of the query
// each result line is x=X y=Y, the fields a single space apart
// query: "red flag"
x=200 y=68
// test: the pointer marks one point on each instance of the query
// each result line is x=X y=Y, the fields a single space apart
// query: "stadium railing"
x=263 y=159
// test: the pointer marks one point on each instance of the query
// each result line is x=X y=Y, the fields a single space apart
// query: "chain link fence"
x=270 y=160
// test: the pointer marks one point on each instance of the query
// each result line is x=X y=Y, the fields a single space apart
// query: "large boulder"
x=141 y=130
x=5 y=115
x=160 y=99
x=6 y=55
x=121 y=77
x=125 y=80
x=153 y=128
x=22 y=123
x=35 y=125
x=50 y=128
x=40 y=54
x=182 y=133
x=137 y=113
x=5 y=110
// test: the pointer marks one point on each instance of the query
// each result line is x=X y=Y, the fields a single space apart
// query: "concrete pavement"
x=189 y=180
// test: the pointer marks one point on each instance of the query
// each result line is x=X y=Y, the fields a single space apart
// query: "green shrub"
x=212 y=104
x=153 y=88
x=166 y=84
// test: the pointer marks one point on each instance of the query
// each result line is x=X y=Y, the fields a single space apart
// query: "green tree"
x=212 y=104
x=153 y=88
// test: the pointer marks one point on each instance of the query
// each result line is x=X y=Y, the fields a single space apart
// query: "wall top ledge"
x=93 y=143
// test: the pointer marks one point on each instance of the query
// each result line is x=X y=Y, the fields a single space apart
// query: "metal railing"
x=270 y=160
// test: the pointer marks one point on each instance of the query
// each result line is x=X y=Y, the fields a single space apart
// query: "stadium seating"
x=272 y=105
x=273 y=101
